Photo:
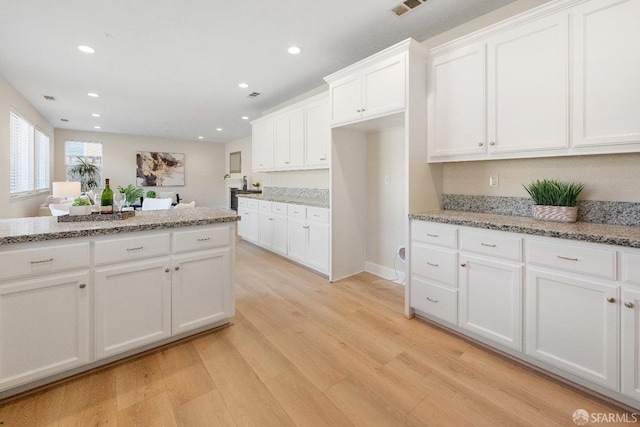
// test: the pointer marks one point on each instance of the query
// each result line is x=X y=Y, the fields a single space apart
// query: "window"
x=89 y=152
x=29 y=157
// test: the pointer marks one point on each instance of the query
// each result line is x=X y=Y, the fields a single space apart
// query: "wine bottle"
x=106 y=200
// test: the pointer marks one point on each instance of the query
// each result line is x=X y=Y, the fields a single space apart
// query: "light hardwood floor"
x=304 y=352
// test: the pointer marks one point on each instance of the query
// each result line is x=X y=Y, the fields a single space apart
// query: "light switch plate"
x=493 y=181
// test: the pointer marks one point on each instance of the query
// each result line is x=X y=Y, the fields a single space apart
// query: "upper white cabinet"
x=507 y=91
x=502 y=96
x=377 y=89
x=296 y=137
x=606 y=93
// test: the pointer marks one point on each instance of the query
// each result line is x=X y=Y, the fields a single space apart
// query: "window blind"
x=42 y=160
x=21 y=154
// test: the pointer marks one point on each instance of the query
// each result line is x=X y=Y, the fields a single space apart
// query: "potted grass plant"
x=554 y=200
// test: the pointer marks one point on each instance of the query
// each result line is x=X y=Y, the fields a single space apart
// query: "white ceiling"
x=171 y=68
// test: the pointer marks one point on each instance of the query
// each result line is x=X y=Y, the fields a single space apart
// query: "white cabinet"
x=249 y=225
x=273 y=230
x=491 y=299
x=630 y=340
x=133 y=305
x=201 y=289
x=375 y=90
x=44 y=327
x=308 y=239
x=289 y=139
x=572 y=323
x=606 y=94
x=262 y=144
x=317 y=132
x=519 y=106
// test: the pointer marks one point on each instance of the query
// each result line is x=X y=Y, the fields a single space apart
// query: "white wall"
x=23 y=206
x=204 y=163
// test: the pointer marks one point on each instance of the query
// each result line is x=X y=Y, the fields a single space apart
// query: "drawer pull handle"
x=270 y=219
x=432 y=264
x=463 y=265
x=176 y=268
x=305 y=226
x=611 y=299
x=432 y=235
x=139 y=248
x=203 y=239
x=42 y=261
x=567 y=258
x=166 y=270
x=432 y=300
x=323 y=158
x=628 y=304
x=488 y=245
x=82 y=286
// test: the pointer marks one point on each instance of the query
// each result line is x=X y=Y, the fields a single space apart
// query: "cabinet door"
x=133 y=306
x=318 y=247
x=384 y=89
x=282 y=155
x=346 y=100
x=243 y=224
x=490 y=300
x=296 y=138
x=44 y=327
x=317 y=133
x=572 y=324
x=631 y=342
x=201 y=289
x=253 y=230
x=279 y=240
x=528 y=87
x=297 y=235
x=262 y=145
x=606 y=93
x=266 y=230
x=457 y=103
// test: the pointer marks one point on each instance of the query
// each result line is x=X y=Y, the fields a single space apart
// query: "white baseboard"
x=386 y=272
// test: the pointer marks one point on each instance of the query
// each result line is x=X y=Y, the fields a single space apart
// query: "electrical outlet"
x=300 y=180
x=493 y=181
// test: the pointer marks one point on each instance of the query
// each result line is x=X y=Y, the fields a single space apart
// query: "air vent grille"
x=407 y=6
x=253 y=95
x=48 y=97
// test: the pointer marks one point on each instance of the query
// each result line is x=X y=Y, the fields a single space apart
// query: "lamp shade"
x=66 y=189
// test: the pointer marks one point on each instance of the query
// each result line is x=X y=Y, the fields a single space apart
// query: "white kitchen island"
x=78 y=295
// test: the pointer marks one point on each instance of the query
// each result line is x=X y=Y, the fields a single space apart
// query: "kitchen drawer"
x=439 y=265
x=577 y=258
x=43 y=260
x=242 y=202
x=279 y=208
x=253 y=204
x=195 y=240
x=265 y=206
x=501 y=245
x=297 y=211
x=434 y=234
x=434 y=300
x=318 y=214
x=631 y=267
x=132 y=248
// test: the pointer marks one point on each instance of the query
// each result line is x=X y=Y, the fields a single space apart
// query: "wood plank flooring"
x=304 y=352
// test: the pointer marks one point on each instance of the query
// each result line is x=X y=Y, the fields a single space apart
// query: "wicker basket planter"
x=555 y=213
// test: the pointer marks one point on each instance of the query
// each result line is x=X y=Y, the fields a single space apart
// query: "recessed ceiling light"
x=95 y=115
x=245 y=118
x=97 y=127
x=294 y=50
x=86 y=49
x=243 y=85
x=219 y=129
x=201 y=137
x=93 y=95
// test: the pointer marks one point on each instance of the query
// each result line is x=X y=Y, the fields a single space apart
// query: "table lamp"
x=65 y=190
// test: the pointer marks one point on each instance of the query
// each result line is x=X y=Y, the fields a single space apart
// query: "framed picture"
x=235 y=162
x=156 y=169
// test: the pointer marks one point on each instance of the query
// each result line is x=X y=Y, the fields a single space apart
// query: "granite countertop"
x=619 y=235
x=35 y=229
x=304 y=201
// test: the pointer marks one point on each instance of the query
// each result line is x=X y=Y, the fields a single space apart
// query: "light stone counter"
x=35 y=229
x=589 y=232
x=303 y=201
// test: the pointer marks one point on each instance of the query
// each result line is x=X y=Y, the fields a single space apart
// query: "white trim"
x=385 y=272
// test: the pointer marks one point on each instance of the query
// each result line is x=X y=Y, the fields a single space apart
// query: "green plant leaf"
x=550 y=192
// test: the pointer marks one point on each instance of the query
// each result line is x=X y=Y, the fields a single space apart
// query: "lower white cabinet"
x=490 y=301
x=249 y=225
x=630 y=327
x=273 y=232
x=200 y=289
x=309 y=243
x=133 y=306
x=572 y=323
x=44 y=327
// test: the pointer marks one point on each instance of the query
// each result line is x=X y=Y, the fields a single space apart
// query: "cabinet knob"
x=492 y=143
x=176 y=268
x=166 y=270
x=628 y=304
x=358 y=111
x=480 y=144
x=611 y=299
x=82 y=286
x=463 y=265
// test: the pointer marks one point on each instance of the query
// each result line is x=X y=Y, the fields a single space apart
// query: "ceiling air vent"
x=253 y=95
x=406 y=6
x=48 y=97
